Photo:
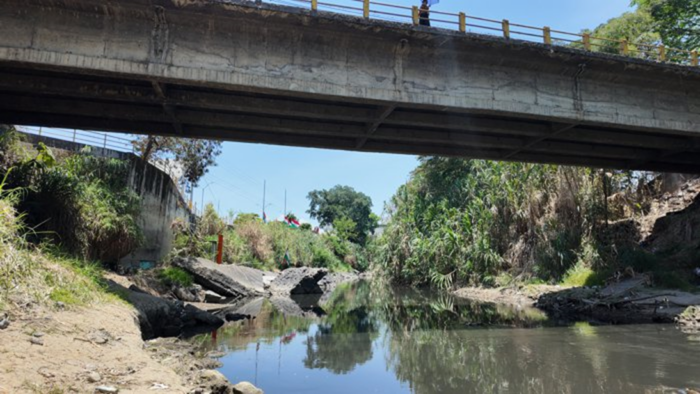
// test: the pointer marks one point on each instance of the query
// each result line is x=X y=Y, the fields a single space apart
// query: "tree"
x=636 y=27
x=677 y=21
x=195 y=155
x=343 y=202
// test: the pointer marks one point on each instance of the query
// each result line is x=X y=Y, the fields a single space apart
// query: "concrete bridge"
x=250 y=72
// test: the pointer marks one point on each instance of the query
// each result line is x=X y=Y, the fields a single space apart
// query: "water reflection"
x=368 y=338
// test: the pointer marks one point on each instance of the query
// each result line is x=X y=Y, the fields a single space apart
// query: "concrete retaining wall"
x=161 y=200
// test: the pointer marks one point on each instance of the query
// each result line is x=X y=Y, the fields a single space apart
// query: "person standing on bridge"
x=424 y=14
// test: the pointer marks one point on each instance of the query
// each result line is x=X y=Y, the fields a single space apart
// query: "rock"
x=99 y=337
x=213 y=298
x=159 y=317
x=4 y=321
x=246 y=388
x=299 y=281
x=228 y=280
x=215 y=382
x=94 y=377
x=106 y=389
x=38 y=334
x=230 y=317
x=60 y=305
x=267 y=279
x=36 y=341
x=48 y=374
x=194 y=293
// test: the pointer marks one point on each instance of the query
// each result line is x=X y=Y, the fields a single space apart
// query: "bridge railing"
x=91 y=138
x=505 y=28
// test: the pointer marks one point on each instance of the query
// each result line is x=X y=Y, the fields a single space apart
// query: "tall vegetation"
x=78 y=201
x=473 y=220
x=275 y=245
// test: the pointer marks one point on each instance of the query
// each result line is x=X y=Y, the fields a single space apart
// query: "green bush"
x=175 y=276
x=81 y=202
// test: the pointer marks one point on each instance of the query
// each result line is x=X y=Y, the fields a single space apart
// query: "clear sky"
x=236 y=184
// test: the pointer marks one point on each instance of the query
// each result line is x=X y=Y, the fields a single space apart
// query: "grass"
x=175 y=276
x=44 y=274
x=580 y=275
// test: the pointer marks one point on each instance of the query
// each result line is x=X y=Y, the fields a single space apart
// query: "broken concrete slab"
x=232 y=281
x=294 y=281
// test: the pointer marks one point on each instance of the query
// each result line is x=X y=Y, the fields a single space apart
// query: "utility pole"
x=264 y=190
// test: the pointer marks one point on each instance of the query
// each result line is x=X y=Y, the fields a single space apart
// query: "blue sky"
x=236 y=184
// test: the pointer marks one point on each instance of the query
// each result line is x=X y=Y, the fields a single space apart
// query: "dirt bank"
x=59 y=350
x=80 y=350
x=627 y=302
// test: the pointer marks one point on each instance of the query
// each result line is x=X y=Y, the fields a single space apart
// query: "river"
x=368 y=338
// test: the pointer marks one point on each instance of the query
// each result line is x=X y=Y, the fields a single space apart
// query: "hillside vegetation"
x=483 y=222
x=249 y=241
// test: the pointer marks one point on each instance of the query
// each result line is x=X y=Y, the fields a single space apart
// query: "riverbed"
x=368 y=338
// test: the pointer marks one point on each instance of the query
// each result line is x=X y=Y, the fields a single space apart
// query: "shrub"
x=175 y=276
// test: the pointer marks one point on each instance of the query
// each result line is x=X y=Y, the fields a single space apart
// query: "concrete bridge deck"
x=263 y=73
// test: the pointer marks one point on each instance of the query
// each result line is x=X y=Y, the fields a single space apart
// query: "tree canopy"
x=677 y=21
x=195 y=155
x=637 y=27
x=341 y=203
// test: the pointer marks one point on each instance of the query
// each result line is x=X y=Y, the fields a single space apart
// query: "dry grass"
x=29 y=275
x=258 y=240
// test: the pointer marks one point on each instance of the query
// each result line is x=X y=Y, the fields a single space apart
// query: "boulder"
x=215 y=382
x=213 y=298
x=193 y=293
x=232 y=281
x=294 y=281
x=4 y=321
x=246 y=388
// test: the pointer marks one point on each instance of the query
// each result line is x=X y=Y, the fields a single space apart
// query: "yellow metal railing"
x=505 y=28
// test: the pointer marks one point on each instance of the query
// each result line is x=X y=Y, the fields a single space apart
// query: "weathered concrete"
x=230 y=280
x=161 y=200
x=298 y=281
x=262 y=73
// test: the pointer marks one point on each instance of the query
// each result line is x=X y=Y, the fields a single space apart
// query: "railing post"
x=366 y=9
x=105 y=143
x=415 y=15
x=506 y=29
x=547 y=35
x=74 y=132
x=662 y=52
x=587 y=41
x=462 y=22
x=624 y=47
x=39 y=131
x=694 y=58
x=314 y=5
x=220 y=249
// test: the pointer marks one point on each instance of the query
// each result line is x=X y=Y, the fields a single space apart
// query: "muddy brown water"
x=371 y=339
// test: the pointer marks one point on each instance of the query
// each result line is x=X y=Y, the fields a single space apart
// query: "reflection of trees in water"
x=344 y=339
x=530 y=361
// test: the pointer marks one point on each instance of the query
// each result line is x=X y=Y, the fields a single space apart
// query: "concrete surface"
x=243 y=71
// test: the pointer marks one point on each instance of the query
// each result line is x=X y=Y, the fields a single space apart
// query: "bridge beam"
x=270 y=74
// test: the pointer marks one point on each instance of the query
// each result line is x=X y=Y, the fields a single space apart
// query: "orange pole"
x=220 y=249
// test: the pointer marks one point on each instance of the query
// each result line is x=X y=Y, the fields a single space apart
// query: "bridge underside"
x=56 y=99
x=537 y=110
